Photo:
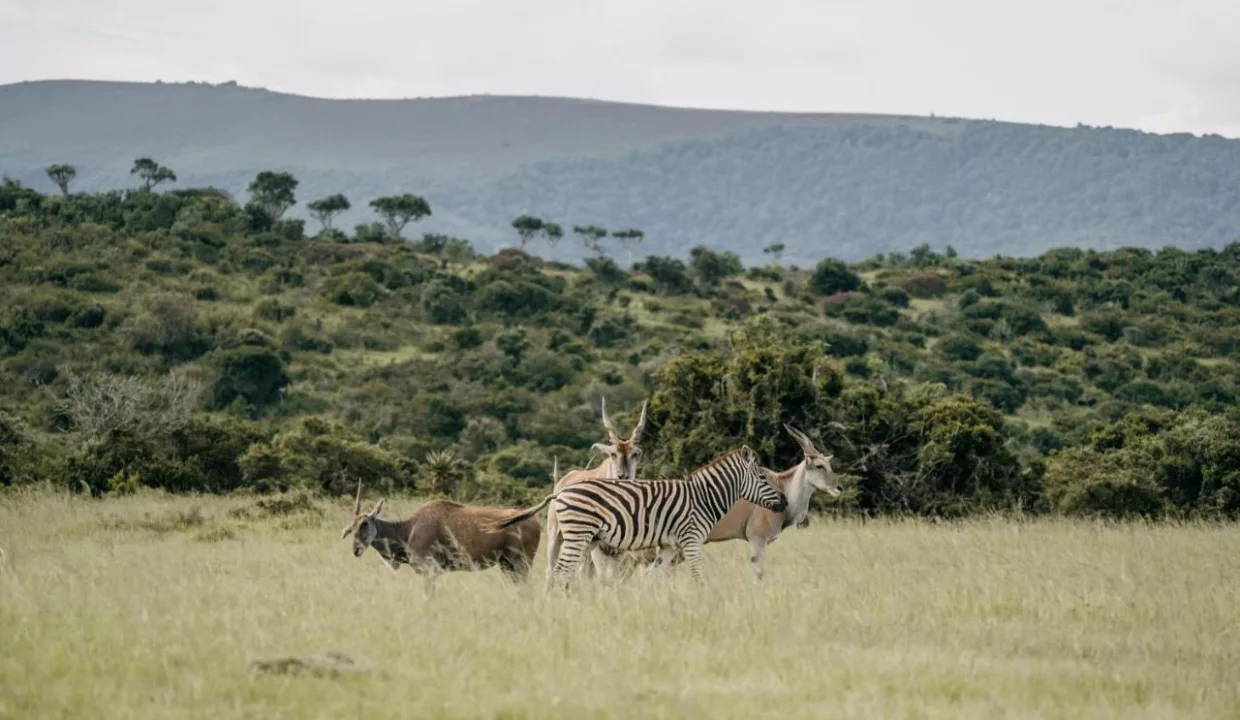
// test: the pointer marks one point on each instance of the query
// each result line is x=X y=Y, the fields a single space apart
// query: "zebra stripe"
x=674 y=515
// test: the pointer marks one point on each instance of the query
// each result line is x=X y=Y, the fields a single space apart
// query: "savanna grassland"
x=154 y=606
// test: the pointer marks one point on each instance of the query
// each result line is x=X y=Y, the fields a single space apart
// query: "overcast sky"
x=1161 y=65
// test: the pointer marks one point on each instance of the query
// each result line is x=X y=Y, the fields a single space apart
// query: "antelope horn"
x=555 y=469
x=807 y=445
x=607 y=423
x=641 y=424
x=357 y=505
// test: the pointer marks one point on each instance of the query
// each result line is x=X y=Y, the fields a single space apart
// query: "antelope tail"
x=526 y=514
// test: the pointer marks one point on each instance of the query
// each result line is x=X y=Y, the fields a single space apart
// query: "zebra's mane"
x=713 y=463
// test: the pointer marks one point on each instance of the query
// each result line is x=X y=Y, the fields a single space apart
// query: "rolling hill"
x=843 y=185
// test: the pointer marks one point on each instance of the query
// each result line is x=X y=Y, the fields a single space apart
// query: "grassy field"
x=153 y=607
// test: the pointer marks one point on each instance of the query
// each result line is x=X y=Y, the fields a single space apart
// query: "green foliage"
x=323 y=455
x=325 y=209
x=61 y=175
x=1151 y=465
x=398 y=211
x=832 y=276
x=252 y=375
x=944 y=405
x=272 y=194
x=151 y=173
x=670 y=275
x=711 y=267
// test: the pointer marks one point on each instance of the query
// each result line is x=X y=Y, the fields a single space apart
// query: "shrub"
x=169 y=326
x=959 y=348
x=924 y=286
x=441 y=303
x=894 y=296
x=356 y=289
x=253 y=375
x=832 y=276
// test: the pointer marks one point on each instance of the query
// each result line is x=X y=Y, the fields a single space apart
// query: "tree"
x=527 y=226
x=628 y=240
x=552 y=233
x=712 y=267
x=272 y=193
x=325 y=209
x=591 y=236
x=62 y=175
x=152 y=173
x=399 y=210
x=775 y=251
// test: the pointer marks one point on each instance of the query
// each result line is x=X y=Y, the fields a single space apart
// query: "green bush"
x=252 y=375
x=831 y=277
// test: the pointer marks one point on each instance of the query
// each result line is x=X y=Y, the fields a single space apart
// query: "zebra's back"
x=625 y=514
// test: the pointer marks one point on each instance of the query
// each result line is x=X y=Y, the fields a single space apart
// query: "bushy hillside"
x=180 y=340
x=845 y=185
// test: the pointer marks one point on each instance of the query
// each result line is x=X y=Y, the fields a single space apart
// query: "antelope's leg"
x=429 y=570
x=554 y=542
x=757 y=549
x=604 y=564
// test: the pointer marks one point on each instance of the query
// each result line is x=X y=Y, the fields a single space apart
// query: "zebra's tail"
x=525 y=514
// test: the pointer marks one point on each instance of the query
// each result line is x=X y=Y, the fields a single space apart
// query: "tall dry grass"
x=153 y=607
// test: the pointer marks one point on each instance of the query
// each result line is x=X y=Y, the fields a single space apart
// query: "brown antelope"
x=622 y=455
x=442 y=535
x=761 y=526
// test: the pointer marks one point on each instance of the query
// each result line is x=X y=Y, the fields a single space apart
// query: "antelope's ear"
x=378 y=508
x=348 y=530
x=602 y=447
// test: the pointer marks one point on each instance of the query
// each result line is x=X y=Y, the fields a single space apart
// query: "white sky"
x=1160 y=65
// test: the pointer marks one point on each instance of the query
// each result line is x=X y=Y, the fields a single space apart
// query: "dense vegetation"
x=839 y=185
x=181 y=340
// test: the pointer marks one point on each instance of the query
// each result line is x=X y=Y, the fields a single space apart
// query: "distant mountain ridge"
x=845 y=185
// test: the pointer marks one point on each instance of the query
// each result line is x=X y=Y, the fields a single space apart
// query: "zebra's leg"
x=572 y=551
x=692 y=551
x=757 y=549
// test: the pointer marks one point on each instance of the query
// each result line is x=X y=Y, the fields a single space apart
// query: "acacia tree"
x=399 y=210
x=272 y=193
x=527 y=226
x=327 y=208
x=552 y=233
x=629 y=239
x=776 y=251
x=152 y=173
x=62 y=175
x=591 y=236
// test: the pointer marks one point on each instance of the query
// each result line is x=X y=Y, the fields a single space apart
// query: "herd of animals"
x=598 y=518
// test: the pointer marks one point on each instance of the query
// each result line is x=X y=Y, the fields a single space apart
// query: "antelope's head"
x=623 y=453
x=363 y=527
x=817 y=465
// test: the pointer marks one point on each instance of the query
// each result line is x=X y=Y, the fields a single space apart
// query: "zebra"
x=674 y=515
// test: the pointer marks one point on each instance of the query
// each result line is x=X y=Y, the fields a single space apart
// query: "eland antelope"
x=442 y=535
x=672 y=515
x=762 y=526
x=622 y=456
